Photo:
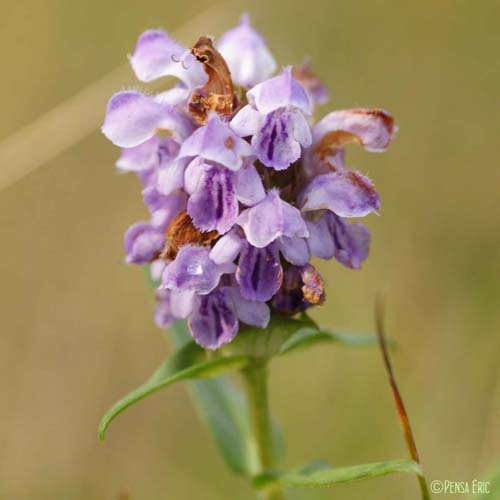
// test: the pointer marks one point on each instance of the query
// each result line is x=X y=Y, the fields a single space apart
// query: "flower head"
x=242 y=187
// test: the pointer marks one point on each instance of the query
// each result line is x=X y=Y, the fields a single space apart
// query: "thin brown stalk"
x=400 y=407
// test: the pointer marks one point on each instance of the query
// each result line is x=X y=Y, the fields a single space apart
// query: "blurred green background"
x=76 y=325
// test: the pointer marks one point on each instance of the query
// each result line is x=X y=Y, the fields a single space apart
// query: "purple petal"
x=315 y=88
x=192 y=270
x=227 y=248
x=214 y=322
x=248 y=186
x=250 y=312
x=142 y=243
x=170 y=176
x=213 y=205
x=132 y=118
x=216 y=142
x=156 y=269
x=247 y=121
x=294 y=225
x=295 y=250
x=269 y=219
x=170 y=205
x=156 y=55
x=163 y=312
x=246 y=54
x=193 y=174
x=330 y=236
x=140 y=158
x=278 y=142
x=176 y=97
x=279 y=92
x=372 y=128
x=346 y=193
x=264 y=222
x=259 y=272
x=181 y=303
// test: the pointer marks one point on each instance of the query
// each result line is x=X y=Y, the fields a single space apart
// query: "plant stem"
x=255 y=378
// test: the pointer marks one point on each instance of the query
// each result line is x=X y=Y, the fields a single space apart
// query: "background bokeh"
x=76 y=326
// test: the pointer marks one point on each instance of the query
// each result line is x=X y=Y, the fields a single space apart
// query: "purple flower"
x=214 y=320
x=330 y=236
x=156 y=55
x=143 y=242
x=275 y=118
x=246 y=54
x=242 y=193
x=270 y=219
x=346 y=193
x=193 y=270
x=216 y=142
x=132 y=118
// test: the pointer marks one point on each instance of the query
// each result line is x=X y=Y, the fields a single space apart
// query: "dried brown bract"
x=181 y=231
x=218 y=93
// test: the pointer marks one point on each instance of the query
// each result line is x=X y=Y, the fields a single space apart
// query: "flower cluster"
x=242 y=186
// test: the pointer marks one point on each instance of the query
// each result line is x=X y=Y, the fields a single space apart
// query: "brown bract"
x=218 y=93
x=313 y=288
x=181 y=231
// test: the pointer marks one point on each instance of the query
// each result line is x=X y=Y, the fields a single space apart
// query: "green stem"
x=255 y=378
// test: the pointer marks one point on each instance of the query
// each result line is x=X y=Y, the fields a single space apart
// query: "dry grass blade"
x=403 y=415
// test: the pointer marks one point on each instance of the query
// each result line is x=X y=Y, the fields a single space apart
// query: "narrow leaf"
x=323 y=476
x=307 y=337
x=187 y=363
x=222 y=407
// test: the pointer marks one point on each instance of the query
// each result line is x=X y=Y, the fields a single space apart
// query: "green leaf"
x=187 y=363
x=222 y=407
x=322 y=476
x=307 y=337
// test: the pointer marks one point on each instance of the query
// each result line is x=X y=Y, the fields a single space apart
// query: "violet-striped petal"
x=346 y=193
x=192 y=270
x=259 y=272
x=142 y=243
x=213 y=322
x=372 y=128
x=213 y=205
x=132 y=118
x=216 y=142
x=156 y=55
x=279 y=92
x=278 y=143
x=330 y=236
x=246 y=54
